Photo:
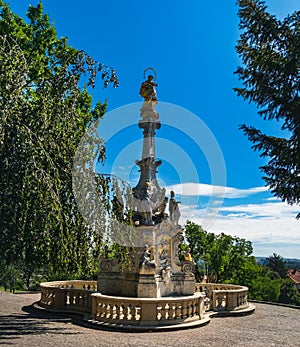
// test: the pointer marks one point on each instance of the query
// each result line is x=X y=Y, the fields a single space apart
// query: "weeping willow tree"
x=45 y=111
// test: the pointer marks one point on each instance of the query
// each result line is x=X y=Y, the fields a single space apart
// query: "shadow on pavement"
x=31 y=322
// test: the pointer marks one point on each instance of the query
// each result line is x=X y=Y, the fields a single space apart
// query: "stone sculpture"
x=147 y=90
x=174 y=209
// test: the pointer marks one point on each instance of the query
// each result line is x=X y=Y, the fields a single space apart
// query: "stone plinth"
x=155 y=270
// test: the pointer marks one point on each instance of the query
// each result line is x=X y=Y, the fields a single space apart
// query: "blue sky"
x=191 y=45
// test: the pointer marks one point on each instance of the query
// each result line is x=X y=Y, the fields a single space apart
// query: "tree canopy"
x=277 y=264
x=220 y=257
x=45 y=109
x=270 y=53
x=227 y=259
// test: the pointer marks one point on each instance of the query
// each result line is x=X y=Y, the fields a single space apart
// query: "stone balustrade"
x=82 y=297
x=68 y=295
x=223 y=297
x=147 y=311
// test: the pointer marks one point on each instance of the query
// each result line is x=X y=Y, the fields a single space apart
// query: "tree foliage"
x=270 y=53
x=220 y=256
x=45 y=110
x=289 y=293
x=227 y=259
x=276 y=263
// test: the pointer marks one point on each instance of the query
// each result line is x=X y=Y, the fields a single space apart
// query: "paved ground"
x=21 y=325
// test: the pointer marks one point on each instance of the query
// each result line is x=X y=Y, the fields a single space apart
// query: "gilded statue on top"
x=147 y=90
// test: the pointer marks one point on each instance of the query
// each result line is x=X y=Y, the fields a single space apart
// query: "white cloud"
x=273 y=198
x=271 y=226
x=264 y=210
x=201 y=189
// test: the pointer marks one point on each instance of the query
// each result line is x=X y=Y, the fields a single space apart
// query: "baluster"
x=184 y=310
x=131 y=312
x=122 y=312
x=216 y=303
x=115 y=309
x=128 y=311
x=138 y=312
x=98 y=309
x=220 y=301
x=167 y=314
x=68 y=298
x=158 y=311
x=108 y=311
x=196 y=307
x=163 y=312
x=172 y=314
x=125 y=311
x=178 y=311
x=118 y=311
x=224 y=301
x=190 y=306
x=102 y=310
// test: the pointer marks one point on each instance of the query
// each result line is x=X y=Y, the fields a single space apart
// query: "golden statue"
x=147 y=90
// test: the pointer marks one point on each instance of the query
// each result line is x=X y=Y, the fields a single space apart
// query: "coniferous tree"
x=277 y=264
x=270 y=52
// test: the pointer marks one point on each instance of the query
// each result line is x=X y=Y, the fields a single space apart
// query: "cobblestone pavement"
x=22 y=325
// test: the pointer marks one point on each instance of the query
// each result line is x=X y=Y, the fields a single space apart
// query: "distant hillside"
x=291 y=263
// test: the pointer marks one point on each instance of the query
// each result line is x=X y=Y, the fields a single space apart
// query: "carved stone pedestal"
x=155 y=270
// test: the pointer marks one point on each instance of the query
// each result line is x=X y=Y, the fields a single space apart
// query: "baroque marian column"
x=157 y=266
x=150 y=199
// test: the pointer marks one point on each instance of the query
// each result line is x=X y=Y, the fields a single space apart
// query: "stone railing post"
x=201 y=306
x=213 y=300
x=149 y=312
x=60 y=299
x=94 y=306
x=231 y=300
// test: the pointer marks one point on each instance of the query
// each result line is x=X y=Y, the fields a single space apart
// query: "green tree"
x=264 y=288
x=228 y=259
x=289 y=293
x=220 y=256
x=45 y=111
x=262 y=283
x=277 y=264
x=270 y=52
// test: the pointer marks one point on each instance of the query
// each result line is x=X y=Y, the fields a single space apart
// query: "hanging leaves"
x=44 y=114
